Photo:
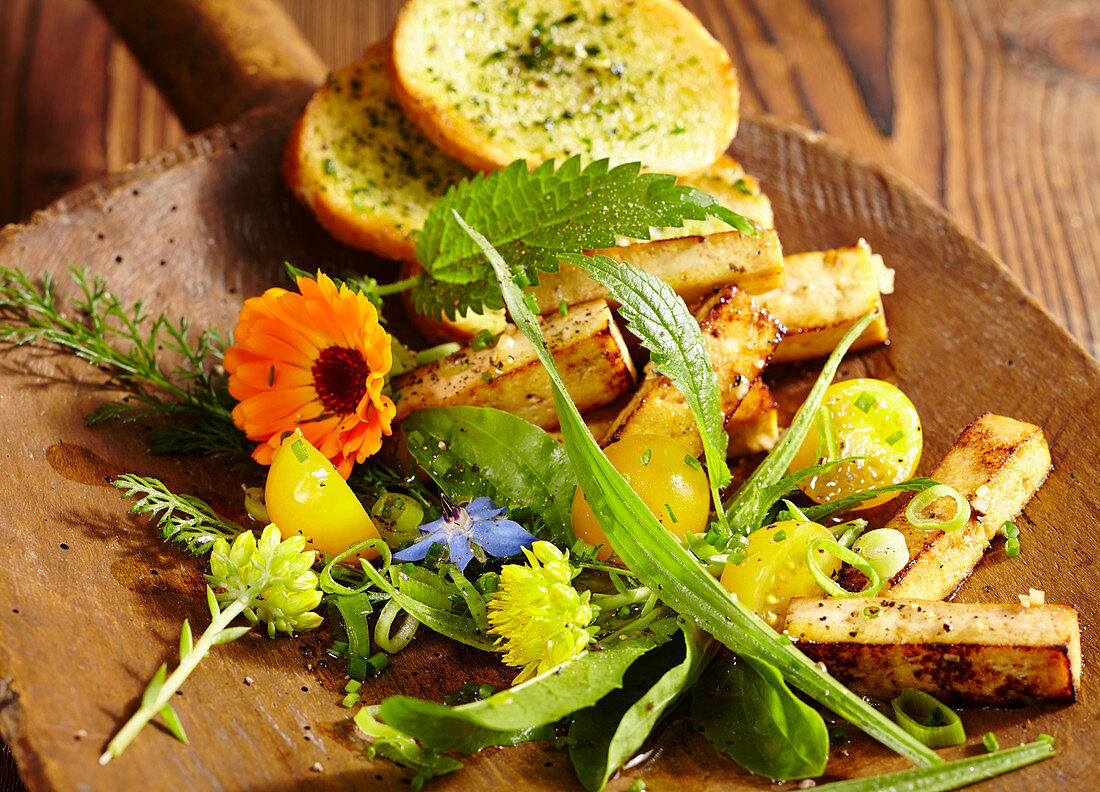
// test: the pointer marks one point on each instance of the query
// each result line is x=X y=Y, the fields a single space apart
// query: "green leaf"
x=605 y=735
x=531 y=216
x=537 y=702
x=180 y=518
x=953 y=775
x=212 y=603
x=398 y=747
x=491 y=452
x=152 y=690
x=665 y=566
x=747 y=712
x=353 y=610
x=230 y=634
x=186 y=641
x=172 y=723
x=659 y=318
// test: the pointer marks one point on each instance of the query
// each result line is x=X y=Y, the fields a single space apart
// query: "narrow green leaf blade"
x=230 y=634
x=152 y=690
x=212 y=603
x=186 y=641
x=172 y=723
x=398 y=747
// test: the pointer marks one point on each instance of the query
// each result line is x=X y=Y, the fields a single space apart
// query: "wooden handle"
x=214 y=60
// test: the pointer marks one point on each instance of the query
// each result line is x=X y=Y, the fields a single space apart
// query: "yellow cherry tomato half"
x=658 y=469
x=774 y=570
x=305 y=495
x=870 y=419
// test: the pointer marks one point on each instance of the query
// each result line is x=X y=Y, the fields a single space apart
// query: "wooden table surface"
x=992 y=107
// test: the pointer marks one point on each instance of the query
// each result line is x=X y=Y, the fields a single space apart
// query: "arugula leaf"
x=532 y=216
x=751 y=502
x=664 y=325
x=494 y=453
x=605 y=735
x=663 y=565
x=746 y=711
x=398 y=747
x=537 y=702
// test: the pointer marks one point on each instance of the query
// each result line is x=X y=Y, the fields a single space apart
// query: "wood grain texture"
x=199 y=228
x=992 y=108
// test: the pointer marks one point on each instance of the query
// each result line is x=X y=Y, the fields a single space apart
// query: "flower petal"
x=483 y=508
x=417 y=551
x=461 y=554
x=501 y=538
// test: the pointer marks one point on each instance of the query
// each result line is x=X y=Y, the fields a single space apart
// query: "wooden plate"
x=91 y=602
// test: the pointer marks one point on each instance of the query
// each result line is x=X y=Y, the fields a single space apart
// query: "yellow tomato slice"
x=305 y=495
x=774 y=571
x=870 y=419
x=657 y=468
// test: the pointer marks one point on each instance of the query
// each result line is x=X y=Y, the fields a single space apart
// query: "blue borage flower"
x=472 y=531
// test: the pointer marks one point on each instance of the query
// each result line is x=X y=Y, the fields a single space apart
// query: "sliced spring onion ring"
x=884 y=549
x=397 y=641
x=874 y=582
x=925 y=498
x=948 y=729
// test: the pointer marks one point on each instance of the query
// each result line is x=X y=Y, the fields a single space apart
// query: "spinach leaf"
x=745 y=709
x=663 y=565
x=582 y=681
x=605 y=735
x=494 y=453
x=398 y=747
x=662 y=322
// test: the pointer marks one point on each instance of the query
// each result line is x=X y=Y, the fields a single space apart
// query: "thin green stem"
x=176 y=679
x=397 y=286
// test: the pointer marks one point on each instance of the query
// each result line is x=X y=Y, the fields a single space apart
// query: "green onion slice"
x=865 y=401
x=925 y=498
x=926 y=709
x=884 y=549
x=874 y=582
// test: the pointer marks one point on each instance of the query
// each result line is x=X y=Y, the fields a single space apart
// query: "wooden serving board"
x=91 y=601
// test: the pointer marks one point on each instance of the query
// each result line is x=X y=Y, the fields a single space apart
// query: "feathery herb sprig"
x=180 y=518
x=125 y=342
x=269 y=580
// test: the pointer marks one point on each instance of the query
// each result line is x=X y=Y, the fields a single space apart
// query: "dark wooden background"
x=991 y=107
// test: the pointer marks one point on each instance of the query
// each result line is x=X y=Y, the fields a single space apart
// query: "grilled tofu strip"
x=997 y=464
x=824 y=293
x=739 y=337
x=987 y=654
x=754 y=425
x=693 y=266
x=586 y=344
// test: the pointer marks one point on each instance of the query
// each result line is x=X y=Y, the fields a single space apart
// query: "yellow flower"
x=541 y=619
x=316 y=362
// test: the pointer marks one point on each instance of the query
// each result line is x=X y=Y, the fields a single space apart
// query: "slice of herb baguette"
x=367 y=173
x=492 y=81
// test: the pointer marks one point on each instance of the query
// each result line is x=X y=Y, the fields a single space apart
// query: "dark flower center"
x=340 y=377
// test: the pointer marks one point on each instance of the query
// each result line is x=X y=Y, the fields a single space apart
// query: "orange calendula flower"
x=314 y=361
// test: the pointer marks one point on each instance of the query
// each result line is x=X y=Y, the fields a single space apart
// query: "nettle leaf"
x=665 y=326
x=532 y=216
x=494 y=453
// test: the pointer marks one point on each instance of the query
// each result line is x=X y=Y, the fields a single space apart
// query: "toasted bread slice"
x=631 y=80
x=368 y=174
